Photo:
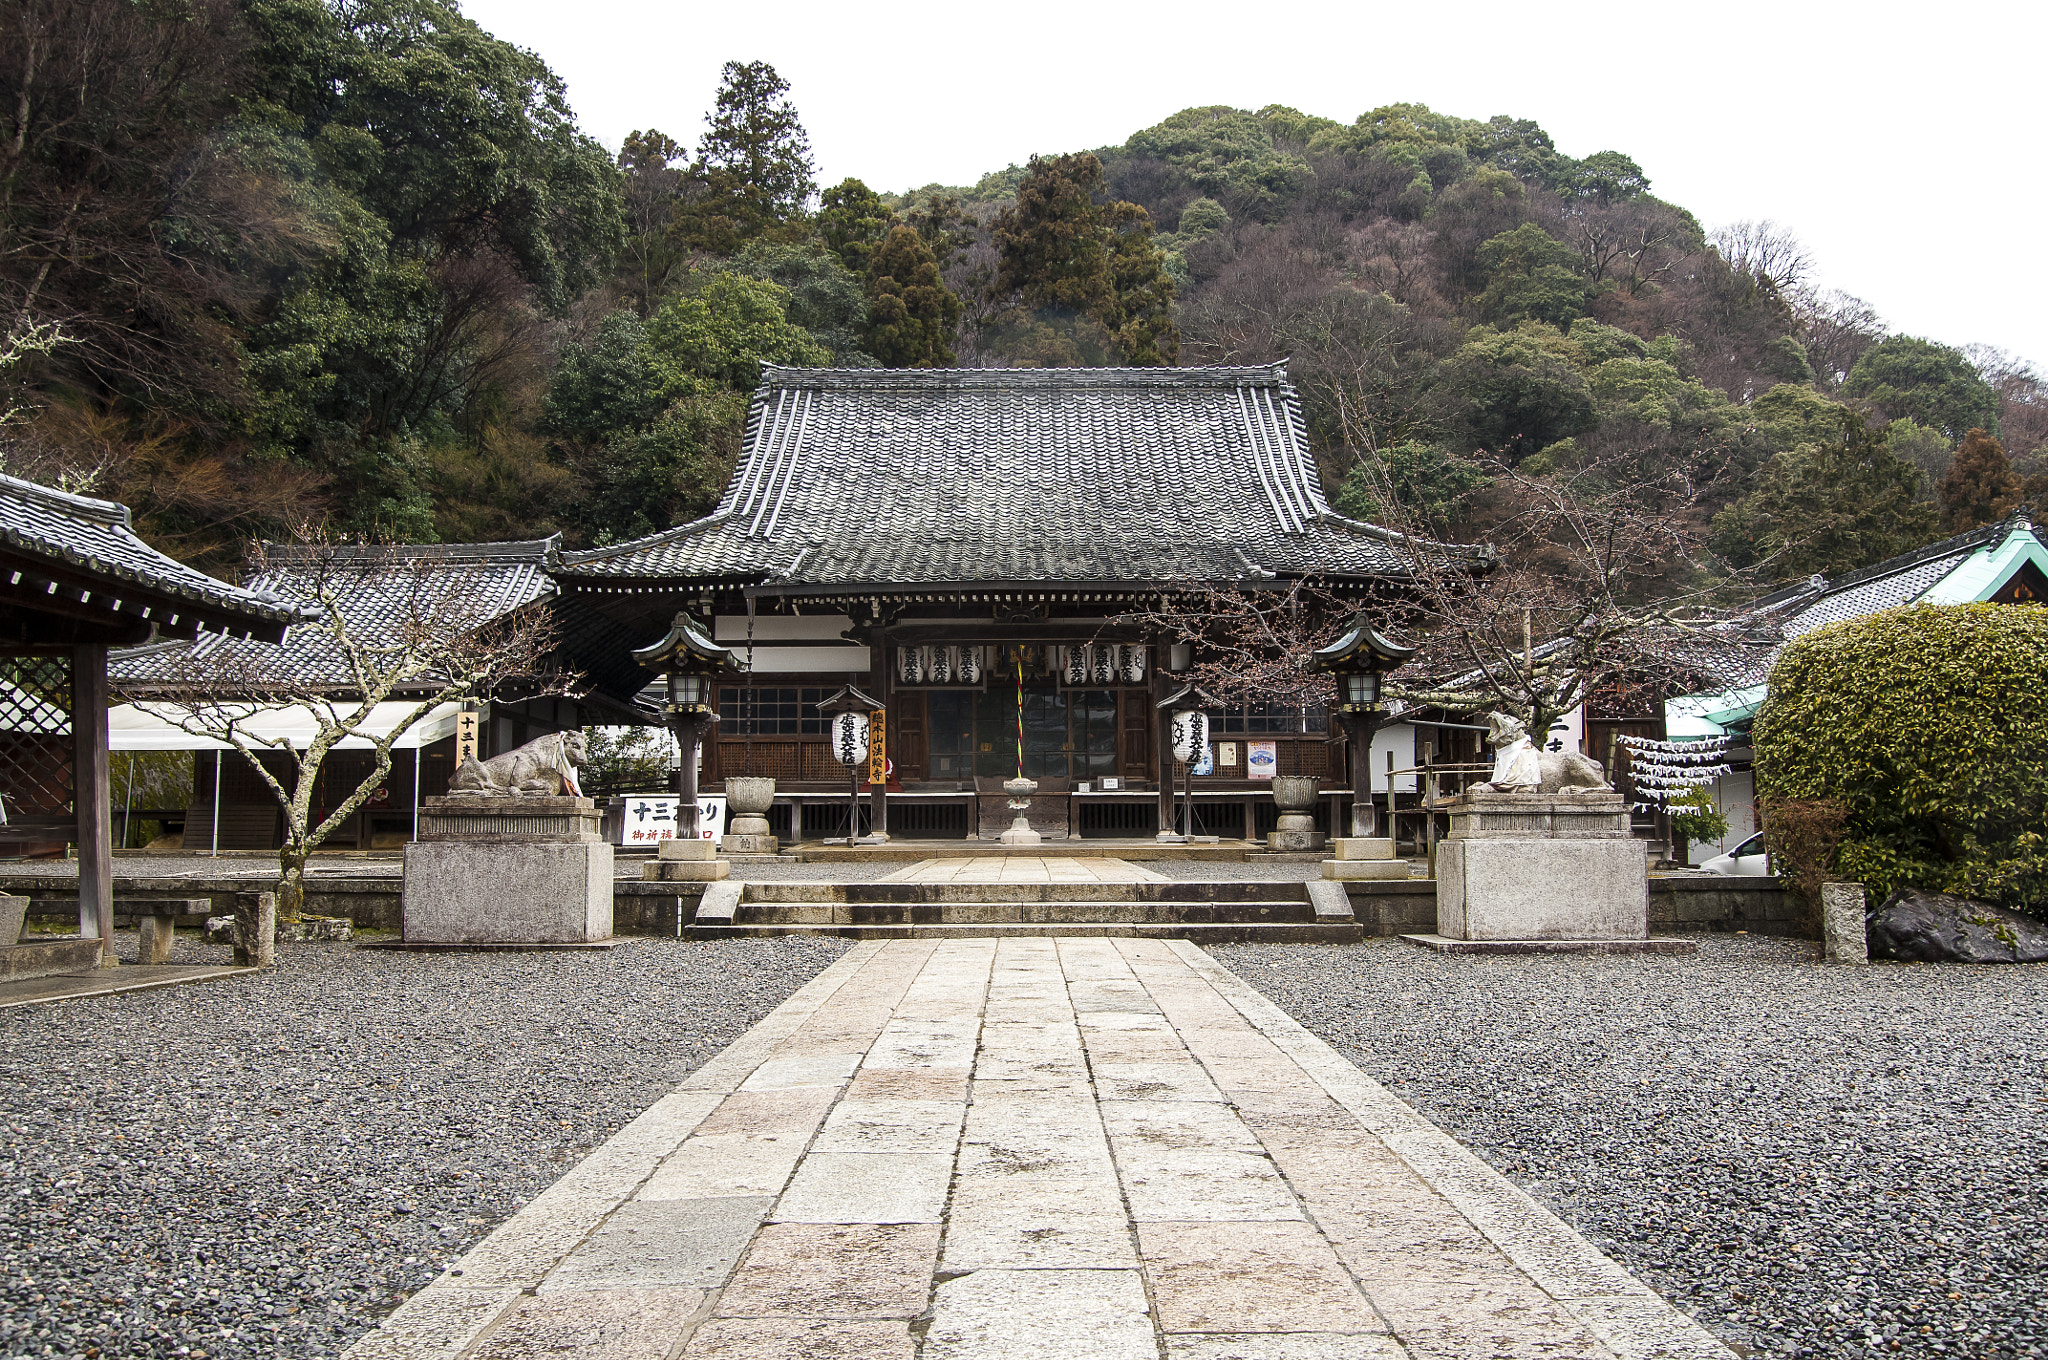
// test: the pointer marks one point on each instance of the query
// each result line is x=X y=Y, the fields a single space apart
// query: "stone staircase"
x=1208 y=913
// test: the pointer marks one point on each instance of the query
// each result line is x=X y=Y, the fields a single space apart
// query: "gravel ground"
x=266 y=1166
x=1813 y=1161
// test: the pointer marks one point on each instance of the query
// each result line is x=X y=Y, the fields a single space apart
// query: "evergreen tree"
x=1981 y=486
x=1085 y=282
x=1828 y=508
x=852 y=219
x=756 y=138
x=911 y=312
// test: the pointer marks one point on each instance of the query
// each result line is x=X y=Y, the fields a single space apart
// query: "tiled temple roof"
x=95 y=540
x=897 y=477
x=501 y=577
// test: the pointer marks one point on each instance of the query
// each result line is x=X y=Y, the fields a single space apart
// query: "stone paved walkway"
x=1024 y=869
x=1033 y=1149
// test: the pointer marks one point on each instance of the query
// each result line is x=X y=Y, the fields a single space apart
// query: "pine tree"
x=852 y=220
x=911 y=312
x=1828 y=508
x=1981 y=486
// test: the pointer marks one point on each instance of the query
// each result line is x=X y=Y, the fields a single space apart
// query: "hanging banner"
x=465 y=737
x=878 y=747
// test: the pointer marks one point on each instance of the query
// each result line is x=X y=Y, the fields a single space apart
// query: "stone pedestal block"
x=695 y=848
x=1536 y=867
x=1295 y=838
x=518 y=870
x=1543 y=890
x=1363 y=847
x=1361 y=870
x=459 y=892
x=1843 y=909
x=157 y=935
x=256 y=929
x=750 y=845
x=13 y=916
x=685 y=871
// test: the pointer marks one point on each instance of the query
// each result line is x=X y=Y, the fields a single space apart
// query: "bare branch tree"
x=1603 y=579
x=1252 y=644
x=381 y=625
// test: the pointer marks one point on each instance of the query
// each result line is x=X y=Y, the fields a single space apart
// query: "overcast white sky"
x=1900 y=143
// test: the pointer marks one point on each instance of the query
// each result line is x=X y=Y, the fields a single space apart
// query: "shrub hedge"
x=1929 y=725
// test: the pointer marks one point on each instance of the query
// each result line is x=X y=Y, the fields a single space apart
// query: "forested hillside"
x=264 y=260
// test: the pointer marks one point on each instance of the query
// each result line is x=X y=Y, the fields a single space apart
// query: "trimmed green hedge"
x=1930 y=726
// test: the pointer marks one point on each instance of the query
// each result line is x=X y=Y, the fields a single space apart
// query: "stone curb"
x=446 y=1317
x=1632 y=1320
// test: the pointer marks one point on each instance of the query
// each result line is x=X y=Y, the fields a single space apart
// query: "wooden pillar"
x=689 y=730
x=89 y=793
x=1162 y=738
x=882 y=676
x=1359 y=729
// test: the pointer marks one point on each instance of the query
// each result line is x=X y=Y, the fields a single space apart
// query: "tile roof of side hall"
x=854 y=477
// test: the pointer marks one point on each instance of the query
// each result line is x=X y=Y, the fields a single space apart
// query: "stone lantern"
x=1187 y=731
x=847 y=737
x=1360 y=660
x=691 y=662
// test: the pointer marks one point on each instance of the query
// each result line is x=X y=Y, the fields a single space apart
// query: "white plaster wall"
x=1399 y=739
x=1735 y=795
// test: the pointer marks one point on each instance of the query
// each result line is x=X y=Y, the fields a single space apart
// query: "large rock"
x=1927 y=927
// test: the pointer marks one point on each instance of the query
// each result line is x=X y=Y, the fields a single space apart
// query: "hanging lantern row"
x=1099 y=664
x=850 y=738
x=1106 y=663
x=941 y=665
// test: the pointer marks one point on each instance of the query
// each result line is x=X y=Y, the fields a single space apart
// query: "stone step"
x=1020 y=913
x=1025 y=892
x=1218 y=932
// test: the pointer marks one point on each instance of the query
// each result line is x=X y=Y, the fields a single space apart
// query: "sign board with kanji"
x=465 y=737
x=878 y=747
x=651 y=818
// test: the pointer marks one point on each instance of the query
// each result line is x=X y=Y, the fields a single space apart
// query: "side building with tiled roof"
x=232 y=808
x=949 y=538
x=2001 y=563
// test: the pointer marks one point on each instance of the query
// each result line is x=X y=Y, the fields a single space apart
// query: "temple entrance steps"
x=1207 y=913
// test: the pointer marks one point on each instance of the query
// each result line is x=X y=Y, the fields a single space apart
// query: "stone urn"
x=1294 y=795
x=1020 y=790
x=747 y=800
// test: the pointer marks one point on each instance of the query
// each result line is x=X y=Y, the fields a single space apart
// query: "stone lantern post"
x=690 y=661
x=1360 y=659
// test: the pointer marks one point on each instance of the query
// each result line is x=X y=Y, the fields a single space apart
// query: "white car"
x=1744 y=861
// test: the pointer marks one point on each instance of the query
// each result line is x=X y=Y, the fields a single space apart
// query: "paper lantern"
x=1190 y=736
x=943 y=662
x=1134 y=665
x=850 y=738
x=1077 y=666
x=909 y=666
x=1104 y=668
x=970 y=665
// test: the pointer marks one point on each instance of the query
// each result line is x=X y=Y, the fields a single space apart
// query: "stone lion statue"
x=1520 y=766
x=544 y=767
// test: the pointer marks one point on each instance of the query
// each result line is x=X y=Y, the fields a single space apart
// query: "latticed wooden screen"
x=36 y=756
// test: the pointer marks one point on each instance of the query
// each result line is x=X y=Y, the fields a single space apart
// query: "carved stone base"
x=1294 y=840
x=1020 y=833
x=685 y=871
x=748 y=827
x=1556 y=887
x=749 y=844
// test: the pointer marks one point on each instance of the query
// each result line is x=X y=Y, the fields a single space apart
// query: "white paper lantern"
x=1190 y=736
x=1134 y=665
x=1077 y=666
x=970 y=665
x=850 y=738
x=943 y=663
x=1104 y=668
x=909 y=667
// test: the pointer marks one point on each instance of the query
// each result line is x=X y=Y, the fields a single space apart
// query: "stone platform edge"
x=1444 y=944
x=454 y=1311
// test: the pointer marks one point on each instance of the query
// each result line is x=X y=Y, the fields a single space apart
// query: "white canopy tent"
x=154 y=727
